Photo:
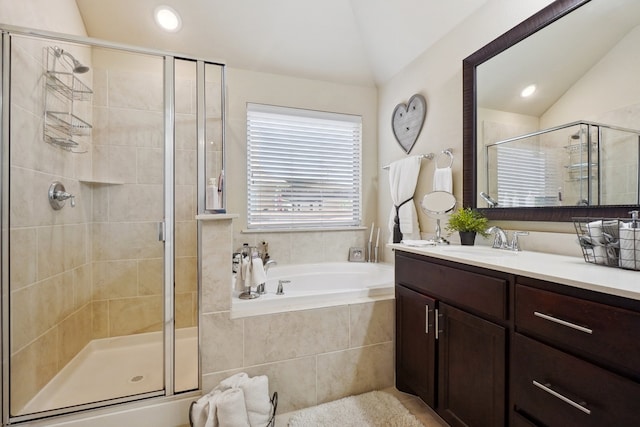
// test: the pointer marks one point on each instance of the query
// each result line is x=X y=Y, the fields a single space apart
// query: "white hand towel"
x=403 y=177
x=231 y=410
x=233 y=381
x=199 y=412
x=443 y=180
x=258 y=274
x=257 y=401
x=212 y=418
x=629 y=247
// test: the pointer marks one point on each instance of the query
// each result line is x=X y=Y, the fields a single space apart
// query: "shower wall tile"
x=133 y=203
x=186 y=161
x=122 y=164
x=23 y=259
x=100 y=319
x=150 y=165
x=82 y=279
x=100 y=87
x=295 y=334
x=135 y=315
x=113 y=241
x=27 y=85
x=136 y=90
x=185 y=95
x=186 y=274
x=186 y=131
x=186 y=239
x=150 y=276
x=100 y=160
x=115 y=279
x=41 y=306
x=32 y=368
x=371 y=323
x=355 y=371
x=184 y=310
x=60 y=248
x=185 y=202
x=218 y=328
x=100 y=204
x=135 y=128
x=74 y=333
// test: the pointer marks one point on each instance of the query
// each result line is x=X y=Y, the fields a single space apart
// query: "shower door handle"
x=161 y=231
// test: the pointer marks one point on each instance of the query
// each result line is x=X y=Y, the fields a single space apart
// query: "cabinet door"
x=415 y=344
x=471 y=369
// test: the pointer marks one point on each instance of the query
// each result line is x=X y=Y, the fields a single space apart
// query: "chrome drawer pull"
x=546 y=388
x=563 y=322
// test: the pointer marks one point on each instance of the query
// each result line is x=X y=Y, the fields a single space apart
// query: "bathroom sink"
x=478 y=252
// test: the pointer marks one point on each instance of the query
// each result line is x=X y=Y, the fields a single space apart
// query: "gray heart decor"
x=407 y=121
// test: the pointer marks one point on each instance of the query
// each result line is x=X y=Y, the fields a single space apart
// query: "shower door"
x=88 y=202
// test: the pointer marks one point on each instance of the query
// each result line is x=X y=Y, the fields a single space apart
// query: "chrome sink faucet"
x=501 y=239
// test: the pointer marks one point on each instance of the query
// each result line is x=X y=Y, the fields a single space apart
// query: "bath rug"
x=373 y=409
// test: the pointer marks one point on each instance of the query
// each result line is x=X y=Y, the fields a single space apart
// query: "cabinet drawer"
x=558 y=389
x=476 y=291
x=604 y=332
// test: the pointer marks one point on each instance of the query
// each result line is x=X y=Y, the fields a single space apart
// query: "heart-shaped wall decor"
x=407 y=121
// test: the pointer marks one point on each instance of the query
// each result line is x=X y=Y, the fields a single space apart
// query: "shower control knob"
x=58 y=195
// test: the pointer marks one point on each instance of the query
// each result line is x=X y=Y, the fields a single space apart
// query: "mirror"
x=549 y=49
x=438 y=204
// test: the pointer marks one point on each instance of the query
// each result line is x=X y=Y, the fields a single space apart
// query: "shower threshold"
x=111 y=368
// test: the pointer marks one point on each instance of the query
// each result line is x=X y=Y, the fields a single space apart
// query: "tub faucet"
x=268 y=264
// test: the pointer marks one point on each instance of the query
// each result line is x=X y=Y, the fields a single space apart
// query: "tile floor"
x=416 y=406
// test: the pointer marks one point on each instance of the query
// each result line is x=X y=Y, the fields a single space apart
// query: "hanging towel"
x=443 y=180
x=403 y=177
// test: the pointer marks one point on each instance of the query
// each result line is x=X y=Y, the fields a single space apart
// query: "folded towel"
x=199 y=412
x=256 y=399
x=231 y=409
x=443 y=180
x=403 y=178
x=243 y=273
x=233 y=381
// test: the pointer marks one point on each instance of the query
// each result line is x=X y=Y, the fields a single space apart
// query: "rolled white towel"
x=256 y=399
x=231 y=409
x=199 y=411
x=233 y=381
x=258 y=274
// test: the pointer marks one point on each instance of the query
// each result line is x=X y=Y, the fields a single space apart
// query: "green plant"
x=467 y=219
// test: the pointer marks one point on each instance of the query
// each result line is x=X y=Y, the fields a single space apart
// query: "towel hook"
x=448 y=153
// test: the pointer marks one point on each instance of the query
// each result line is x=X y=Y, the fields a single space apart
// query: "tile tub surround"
x=311 y=356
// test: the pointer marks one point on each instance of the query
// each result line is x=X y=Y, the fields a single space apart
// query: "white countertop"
x=566 y=270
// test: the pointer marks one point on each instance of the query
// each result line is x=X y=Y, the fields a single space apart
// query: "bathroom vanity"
x=490 y=337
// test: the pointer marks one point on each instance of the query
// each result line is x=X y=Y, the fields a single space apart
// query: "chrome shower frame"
x=167 y=226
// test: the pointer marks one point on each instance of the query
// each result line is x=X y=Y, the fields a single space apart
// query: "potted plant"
x=467 y=222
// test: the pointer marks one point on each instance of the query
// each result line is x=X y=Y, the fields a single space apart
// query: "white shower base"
x=123 y=366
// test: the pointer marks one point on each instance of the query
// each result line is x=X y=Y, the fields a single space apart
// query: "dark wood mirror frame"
x=546 y=16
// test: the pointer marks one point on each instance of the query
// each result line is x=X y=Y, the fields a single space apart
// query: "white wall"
x=437 y=75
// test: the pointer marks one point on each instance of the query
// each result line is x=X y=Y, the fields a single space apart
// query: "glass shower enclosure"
x=106 y=150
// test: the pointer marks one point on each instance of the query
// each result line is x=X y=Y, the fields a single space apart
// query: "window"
x=303 y=168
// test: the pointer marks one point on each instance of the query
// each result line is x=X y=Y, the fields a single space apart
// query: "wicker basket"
x=612 y=242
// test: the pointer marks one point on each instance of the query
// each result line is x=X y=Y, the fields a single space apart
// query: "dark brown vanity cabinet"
x=450 y=345
x=576 y=361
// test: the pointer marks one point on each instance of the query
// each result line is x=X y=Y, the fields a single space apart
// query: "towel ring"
x=445 y=153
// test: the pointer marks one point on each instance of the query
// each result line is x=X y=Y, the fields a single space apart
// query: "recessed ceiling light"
x=167 y=18
x=528 y=91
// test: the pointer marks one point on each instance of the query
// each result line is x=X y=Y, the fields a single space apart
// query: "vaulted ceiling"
x=363 y=42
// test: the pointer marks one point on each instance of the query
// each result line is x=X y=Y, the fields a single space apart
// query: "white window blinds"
x=526 y=177
x=303 y=168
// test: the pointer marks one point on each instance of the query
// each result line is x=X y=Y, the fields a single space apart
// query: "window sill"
x=299 y=230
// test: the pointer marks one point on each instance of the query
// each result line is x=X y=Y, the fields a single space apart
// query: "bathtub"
x=319 y=285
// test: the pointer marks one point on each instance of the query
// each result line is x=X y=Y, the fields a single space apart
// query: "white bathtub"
x=319 y=285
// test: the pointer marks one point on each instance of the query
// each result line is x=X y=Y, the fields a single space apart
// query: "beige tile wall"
x=310 y=356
